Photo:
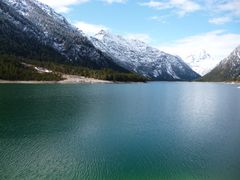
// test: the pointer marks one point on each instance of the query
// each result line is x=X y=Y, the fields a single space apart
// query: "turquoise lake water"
x=162 y=130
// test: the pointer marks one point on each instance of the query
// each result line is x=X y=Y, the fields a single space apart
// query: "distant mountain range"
x=201 y=62
x=30 y=29
x=136 y=56
x=227 y=70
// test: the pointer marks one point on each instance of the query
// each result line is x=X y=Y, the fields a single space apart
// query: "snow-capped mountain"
x=43 y=24
x=136 y=56
x=201 y=62
x=227 y=70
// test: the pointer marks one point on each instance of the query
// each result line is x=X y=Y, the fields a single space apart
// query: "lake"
x=159 y=130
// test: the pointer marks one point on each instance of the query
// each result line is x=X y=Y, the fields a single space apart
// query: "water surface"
x=120 y=131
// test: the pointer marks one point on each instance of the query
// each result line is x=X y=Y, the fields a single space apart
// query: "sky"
x=179 y=27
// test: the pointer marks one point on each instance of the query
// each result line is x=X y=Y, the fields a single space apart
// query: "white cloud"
x=231 y=6
x=114 y=1
x=219 y=20
x=90 y=29
x=161 y=19
x=221 y=11
x=218 y=43
x=182 y=7
x=63 y=6
x=139 y=36
x=227 y=10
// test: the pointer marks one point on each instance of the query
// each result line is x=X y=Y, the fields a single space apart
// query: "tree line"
x=12 y=68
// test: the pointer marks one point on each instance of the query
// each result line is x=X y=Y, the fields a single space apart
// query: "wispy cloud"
x=220 y=20
x=221 y=12
x=161 y=19
x=114 y=1
x=224 y=11
x=63 y=6
x=232 y=7
x=90 y=29
x=218 y=43
x=181 y=7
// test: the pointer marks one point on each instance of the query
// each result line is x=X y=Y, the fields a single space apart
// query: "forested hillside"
x=13 y=68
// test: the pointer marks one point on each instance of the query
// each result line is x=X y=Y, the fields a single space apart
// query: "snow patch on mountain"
x=143 y=59
x=227 y=70
x=202 y=62
x=52 y=29
x=105 y=50
x=233 y=58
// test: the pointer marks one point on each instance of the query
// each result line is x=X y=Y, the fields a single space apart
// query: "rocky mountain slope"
x=136 y=56
x=227 y=70
x=15 y=41
x=33 y=30
x=29 y=20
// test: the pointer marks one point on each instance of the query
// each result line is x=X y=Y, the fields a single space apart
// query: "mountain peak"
x=227 y=70
x=105 y=50
x=48 y=27
x=201 y=62
x=237 y=50
x=123 y=42
x=137 y=56
x=204 y=54
x=103 y=34
x=235 y=55
x=199 y=55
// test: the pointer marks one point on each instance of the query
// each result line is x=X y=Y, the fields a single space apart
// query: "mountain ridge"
x=53 y=30
x=227 y=70
x=143 y=59
x=33 y=21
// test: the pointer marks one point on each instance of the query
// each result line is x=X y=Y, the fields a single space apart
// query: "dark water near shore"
x=120 y=131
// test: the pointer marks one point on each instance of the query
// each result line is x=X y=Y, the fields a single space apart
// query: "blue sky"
x=179 y=27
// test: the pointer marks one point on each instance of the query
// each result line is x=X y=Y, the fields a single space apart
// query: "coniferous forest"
x=13 y=68
x=16 y=48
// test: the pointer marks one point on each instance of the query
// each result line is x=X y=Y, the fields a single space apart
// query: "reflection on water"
x=120 y=131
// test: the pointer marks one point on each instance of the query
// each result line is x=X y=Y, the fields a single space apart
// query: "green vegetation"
x=11 y=68
x=22 y=44
x=31 y=44
x=103 y=74
x=17 y=46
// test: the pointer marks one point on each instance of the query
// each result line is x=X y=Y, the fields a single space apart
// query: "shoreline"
x=75 y=79
x=68 y=79
x=237 y=82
